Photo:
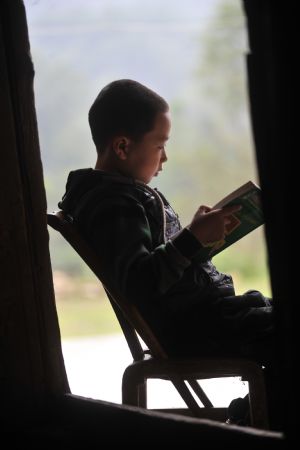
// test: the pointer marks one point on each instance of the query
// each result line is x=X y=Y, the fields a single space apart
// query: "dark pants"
x=233 y=326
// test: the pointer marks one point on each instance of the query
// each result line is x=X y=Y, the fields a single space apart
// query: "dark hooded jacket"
x=152 y=262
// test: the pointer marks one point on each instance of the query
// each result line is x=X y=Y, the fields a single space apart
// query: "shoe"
x=238 y=411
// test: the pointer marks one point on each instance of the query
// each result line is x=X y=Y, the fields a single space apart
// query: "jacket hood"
x=81 y=181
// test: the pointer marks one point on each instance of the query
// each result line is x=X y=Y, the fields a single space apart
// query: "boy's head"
x=130 y=125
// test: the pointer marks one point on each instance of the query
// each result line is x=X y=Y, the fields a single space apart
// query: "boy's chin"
x=154 y=175
x=148 y=179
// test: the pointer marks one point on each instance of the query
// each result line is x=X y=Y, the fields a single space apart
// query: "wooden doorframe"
x=33 y=367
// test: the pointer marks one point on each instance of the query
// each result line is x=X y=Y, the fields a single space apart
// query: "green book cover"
x=242 y=222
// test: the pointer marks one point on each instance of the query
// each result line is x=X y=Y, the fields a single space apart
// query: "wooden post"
x=272 y=94
x=32 y=367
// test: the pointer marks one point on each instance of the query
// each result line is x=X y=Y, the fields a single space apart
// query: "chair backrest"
x=131 y=322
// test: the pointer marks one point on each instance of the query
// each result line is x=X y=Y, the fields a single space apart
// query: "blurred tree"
x=212 y=151
x=226 y=155
x=212 y=147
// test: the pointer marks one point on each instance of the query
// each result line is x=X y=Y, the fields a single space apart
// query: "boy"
x=146 y=254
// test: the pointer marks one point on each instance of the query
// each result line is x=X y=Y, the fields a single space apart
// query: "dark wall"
x=272 y=86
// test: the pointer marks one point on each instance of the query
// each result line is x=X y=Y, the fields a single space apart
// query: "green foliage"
x=246 y=262
x=211 y=151
x=82 y=317
x=63 y=257
x=82 y=305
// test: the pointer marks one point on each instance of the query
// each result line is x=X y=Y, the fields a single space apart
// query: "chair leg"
x=186 y=396
x=258 y=404
x=130 y=393
x=142 y=394
x=200 y=393
x=131 y=387
x=134 y=388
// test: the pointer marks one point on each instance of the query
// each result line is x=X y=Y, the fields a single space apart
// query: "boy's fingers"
x=227 y=210
x=205 y=208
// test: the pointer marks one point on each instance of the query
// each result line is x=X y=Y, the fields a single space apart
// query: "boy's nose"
x=164 y=157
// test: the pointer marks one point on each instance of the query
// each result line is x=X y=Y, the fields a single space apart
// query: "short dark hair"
x=124 y=107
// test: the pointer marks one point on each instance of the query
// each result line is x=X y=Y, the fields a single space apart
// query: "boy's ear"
x=121 y=146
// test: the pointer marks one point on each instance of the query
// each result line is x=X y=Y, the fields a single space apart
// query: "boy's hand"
x=208 y=225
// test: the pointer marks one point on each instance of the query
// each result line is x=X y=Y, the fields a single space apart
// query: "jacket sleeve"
x=120 y=233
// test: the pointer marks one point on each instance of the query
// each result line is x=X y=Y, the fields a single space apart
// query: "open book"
x=242 y=222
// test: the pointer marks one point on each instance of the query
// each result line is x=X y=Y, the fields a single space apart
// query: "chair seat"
x=179 y=371
x=202 y=368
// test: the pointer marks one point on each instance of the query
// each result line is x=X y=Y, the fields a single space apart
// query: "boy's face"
x=144 y=159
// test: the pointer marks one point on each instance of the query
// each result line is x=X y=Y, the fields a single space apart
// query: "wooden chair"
x=155 y=363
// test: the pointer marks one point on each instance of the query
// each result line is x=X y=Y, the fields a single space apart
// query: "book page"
x=236 y=194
